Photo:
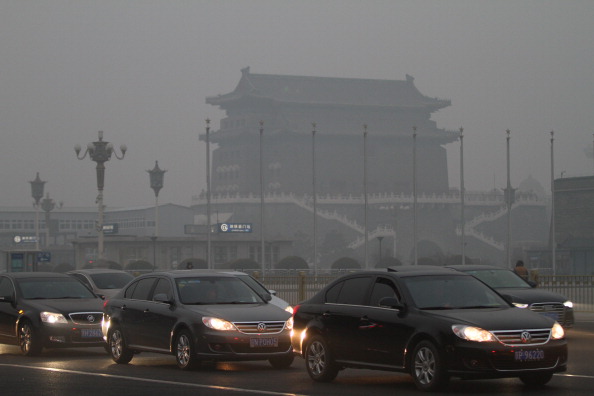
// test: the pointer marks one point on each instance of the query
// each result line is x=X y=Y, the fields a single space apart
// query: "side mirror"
x=162 y=298
x=391 y=302
x=267 y=297
x=273 y=292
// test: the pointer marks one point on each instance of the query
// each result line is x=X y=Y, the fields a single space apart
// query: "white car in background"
x=102 y=281
x=258 y=287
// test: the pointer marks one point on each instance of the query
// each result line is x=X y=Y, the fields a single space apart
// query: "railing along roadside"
x=300 y=286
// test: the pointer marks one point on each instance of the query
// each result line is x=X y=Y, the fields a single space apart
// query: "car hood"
x=68 y=305
x=497 y=318
x=242 y=312
x=529 y=296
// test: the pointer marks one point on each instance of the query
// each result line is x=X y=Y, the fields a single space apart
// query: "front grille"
x=555 y=311
x=86 y=318
x=523 y=337
x=260 y=327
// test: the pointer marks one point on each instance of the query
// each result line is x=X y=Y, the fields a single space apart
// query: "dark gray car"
x=196 y=316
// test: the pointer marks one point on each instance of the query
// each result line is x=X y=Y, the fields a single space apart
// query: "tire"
x=427 y=368
x=536 y=380
x=29 y=341
x=282 y=362
x=185 y=351
x=116 y=346
x=318 y=360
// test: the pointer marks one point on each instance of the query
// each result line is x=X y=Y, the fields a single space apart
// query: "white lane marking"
x=216 y=387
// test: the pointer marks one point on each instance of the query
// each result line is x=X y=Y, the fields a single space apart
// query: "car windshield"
x=451 y=292
x=216 y=290
x=499 y=278
x=53 y=288
x=113 y=280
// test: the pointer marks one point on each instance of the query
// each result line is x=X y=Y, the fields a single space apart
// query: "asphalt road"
x=75 y=372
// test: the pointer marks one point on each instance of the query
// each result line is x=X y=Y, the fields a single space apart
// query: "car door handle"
x=365 y=323
x=147 y=310
x=123 y=307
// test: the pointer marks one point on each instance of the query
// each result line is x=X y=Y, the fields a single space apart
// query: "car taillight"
x=105 y=303
x=295 y=309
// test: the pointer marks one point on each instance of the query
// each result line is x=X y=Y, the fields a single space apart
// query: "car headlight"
x=52 y=317
x=217 y=324
x=289 y=324
x=289 y=309
x=520 y=305
x=557 y=332
x=568 y=304
x=471 y=333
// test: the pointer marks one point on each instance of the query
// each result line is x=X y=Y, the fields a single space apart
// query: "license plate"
x=91 y=333
x=263 y=342
x=529 y=356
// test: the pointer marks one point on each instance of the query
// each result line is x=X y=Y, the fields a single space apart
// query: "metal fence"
x=300 y=286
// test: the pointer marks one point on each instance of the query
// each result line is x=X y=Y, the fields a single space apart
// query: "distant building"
x=288 y=105
x=574 y=225
x=285 y=107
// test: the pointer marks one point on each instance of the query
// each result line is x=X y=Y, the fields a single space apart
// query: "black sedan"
x=50 y=310
x=431 y=324
x=523 y=294
x=196 y=316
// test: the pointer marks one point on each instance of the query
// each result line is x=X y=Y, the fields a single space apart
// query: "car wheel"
x=536 y=380
x=117 y=346
x=185 y=352
x=318 y=360
x=281 y=362
x=28 y=339
x=427 y=368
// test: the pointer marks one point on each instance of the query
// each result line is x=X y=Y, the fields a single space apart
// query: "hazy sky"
x=140 y=71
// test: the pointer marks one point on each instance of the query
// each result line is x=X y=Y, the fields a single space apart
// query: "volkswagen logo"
x=525 y=337
x=91 y=318
x=261 y=327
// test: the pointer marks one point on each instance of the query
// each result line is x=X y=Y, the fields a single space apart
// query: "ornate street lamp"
x=156 y=176
x=100 y=152
x=37 y=194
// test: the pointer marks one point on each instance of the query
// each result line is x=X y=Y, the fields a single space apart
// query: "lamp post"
x=366 y=261
x=209 y=263
x=156 y=176
x=509 y=201
x=379 y=239
x=263 y=253
x=553 y=241
x=462 y=192
x=47 y=204
x=314 y=193
x=37 y=194
x=100 y=152
x=415 y=195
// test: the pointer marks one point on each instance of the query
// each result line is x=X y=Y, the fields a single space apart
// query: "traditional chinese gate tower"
x=288 y=105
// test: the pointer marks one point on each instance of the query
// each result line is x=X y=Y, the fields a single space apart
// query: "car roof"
x=475 y=267
x=25 y=275
x=419 y=268
x=188 y=273
x=90 y=271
